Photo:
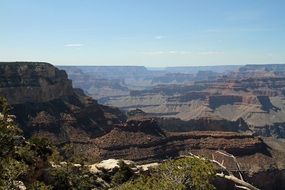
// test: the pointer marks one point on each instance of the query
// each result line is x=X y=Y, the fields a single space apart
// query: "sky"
x=152 y=33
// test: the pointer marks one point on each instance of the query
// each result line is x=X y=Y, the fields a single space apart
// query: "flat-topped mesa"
x=22 y=82
x=264 y=102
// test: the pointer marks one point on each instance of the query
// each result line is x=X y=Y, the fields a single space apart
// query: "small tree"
x=11 y=168
x=20 y=160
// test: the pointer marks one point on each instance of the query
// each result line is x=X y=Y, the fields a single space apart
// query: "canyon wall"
x=45 y=103
x=33 y=82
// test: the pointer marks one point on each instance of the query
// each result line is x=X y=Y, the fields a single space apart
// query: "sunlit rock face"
x=22 y=82
x=45 y=103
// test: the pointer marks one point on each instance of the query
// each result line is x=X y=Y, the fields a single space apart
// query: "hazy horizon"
x=158 y=33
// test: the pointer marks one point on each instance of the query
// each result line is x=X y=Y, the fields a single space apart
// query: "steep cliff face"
x=45 y=103
x=217 y=101
x=33 y=82
x=262 y=100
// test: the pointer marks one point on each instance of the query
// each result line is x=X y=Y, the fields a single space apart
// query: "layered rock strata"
x=45 y=103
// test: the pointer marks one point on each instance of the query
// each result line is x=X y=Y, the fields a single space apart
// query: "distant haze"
x=160 y=33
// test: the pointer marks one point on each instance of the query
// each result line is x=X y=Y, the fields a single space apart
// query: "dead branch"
x=241 y=187
x=235 y=160
x=239 y=183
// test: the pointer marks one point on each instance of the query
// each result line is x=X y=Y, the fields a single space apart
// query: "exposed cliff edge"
x=23 y=82
x=45 y=103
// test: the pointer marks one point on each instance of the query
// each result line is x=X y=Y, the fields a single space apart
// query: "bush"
x=182 y=174
x=123 y=174
x=20 y=160
x=40 y=186
x=71 y=177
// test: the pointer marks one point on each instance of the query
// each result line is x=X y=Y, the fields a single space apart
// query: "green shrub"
x=181 y=174
x=40 y=186
x=123 y=174
x=20 y=160
x=71 y=177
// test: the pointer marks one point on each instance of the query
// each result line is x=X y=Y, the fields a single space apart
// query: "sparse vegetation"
x=123 y=174
x=36 y=164
x=20 y=160
x=28 y=162
x=181 y=174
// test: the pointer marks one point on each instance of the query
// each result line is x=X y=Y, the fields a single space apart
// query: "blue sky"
x=153 y=33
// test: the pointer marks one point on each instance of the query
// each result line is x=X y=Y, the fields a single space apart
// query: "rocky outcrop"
x=140 y=144
x=45 y=103
x=263 y=101
x=219 y=100
x=266 y=104
x=276 y=130
x=33 y=82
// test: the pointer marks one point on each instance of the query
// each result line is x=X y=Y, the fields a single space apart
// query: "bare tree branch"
x=235 y=160
x=239 y=183
x=241 y=187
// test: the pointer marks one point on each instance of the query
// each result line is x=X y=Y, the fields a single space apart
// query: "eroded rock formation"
x=45 y=103
x=33 y=82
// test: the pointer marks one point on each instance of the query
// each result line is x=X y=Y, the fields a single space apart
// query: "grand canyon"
x=236 y=110
x=142 y=95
